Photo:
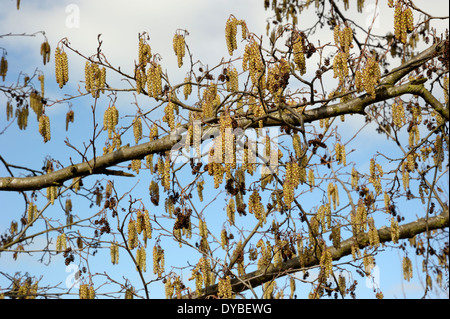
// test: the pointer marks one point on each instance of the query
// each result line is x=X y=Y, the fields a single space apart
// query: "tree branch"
x=94 y=166
x=384 y=91
x=259 y=277
x=395 y=75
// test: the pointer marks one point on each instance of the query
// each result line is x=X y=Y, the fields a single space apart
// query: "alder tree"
x=261 y=166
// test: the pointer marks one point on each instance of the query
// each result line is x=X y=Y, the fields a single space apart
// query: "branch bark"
x=98 y=165
x=384 y=91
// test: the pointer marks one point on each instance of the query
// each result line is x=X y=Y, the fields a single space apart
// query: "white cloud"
x=120 y=22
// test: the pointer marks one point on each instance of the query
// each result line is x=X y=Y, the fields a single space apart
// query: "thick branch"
x=98 y=165
x=421 y=91
x=259 y=277
x=395 y=75
x=101 y=163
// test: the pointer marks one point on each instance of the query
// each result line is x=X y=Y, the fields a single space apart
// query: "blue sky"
x=81 y=21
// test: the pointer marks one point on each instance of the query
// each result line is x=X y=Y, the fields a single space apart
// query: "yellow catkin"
x=230 y=34
x=158 y=260
x=255 y=206
x=61 y=67
x=252 y=62
x=202 y=228
x=326 y=262
x=292 y=287
x=231 y=209
x=136 y=165
x=137 y=129
x=336 y=236
x=144 y=51
x=218 y=171
x=269 y=288
x=22 y=117
x=102 y=79
x=35 y=103
x=311 y=179
x=95 y=79
x=169 y=288
x=341 y=285
x=266 y=254
x=166 y=173
x=68 y=206
x=129 y=293
x=368 y=261
x=299 y=56
x=9 y=111
x=52 y=194
x=61 y=243
x=200 y=186
x=407 y=268
x=387 y=202
x=293 y=177
x=141 y=79
x=154 y=80
x=355 y=178
x=179 y=48
x=153 y=132
x=70 y=117
x=346 y=36
x=44 y=127
x=340 y=67
x=224 y=288
x=297 y=144
x=31 y=212
x=41 y=79
x=399 y=26
x=371 y=76
x=446 y=89
x=223 y=239
x=169 y=116
x=374 y=239
x=141 y=259
x=398 y=114
x=359 y=81
x=132 y=235
x=405 y=176
x=414 y=136
x=232 y=79
x=3 y=67
x=410 y=162
x=147 y=225
x=210 y=100
x=88 y=76
x=340 y=154
x=110 y=120
x=187 y=89
x=438 y=156
x=395 y=231
x=333 y=194
x=91 y=292
x=84 y=291
x=356 y=253
x=114 y=252
x=376 y=172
